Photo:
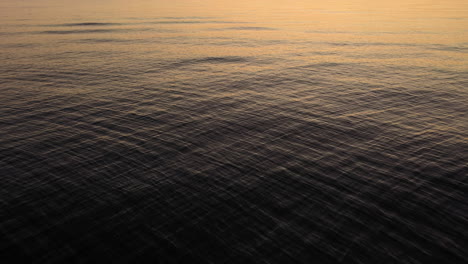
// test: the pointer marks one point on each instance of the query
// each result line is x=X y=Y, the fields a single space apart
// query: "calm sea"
x=239 y=131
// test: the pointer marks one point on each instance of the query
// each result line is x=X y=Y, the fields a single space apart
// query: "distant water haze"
x=241 y=131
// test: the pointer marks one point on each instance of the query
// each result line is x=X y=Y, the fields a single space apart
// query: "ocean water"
x=234 y=131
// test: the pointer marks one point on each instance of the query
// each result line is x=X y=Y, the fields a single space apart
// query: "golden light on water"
x=404 y=23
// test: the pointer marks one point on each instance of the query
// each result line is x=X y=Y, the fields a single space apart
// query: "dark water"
x=246 y=132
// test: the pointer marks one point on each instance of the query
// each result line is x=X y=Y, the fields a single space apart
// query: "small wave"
x=20 y=45
x=190 y=22
x=250 y=28
x=105 y=40
x=87 y=24
x=213 y=60
x=90 y=31
x=187 y=17
x=450 y=48
x=64 y=32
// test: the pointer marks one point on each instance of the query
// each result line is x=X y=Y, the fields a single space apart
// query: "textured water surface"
x=234 y=131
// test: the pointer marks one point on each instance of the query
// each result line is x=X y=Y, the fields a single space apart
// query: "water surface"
x=234 y=131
